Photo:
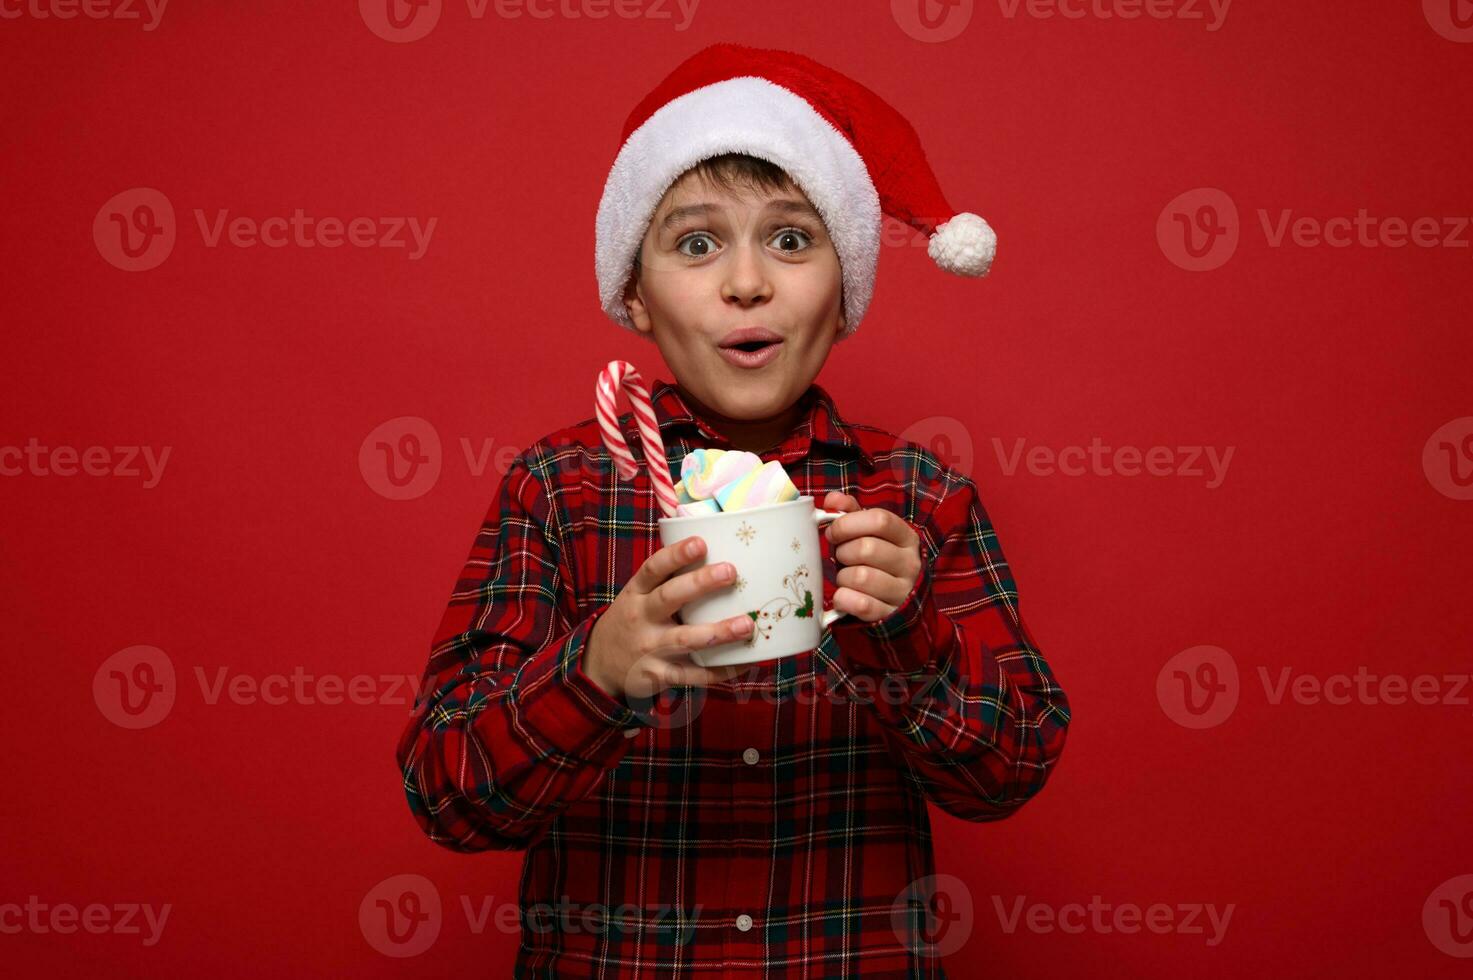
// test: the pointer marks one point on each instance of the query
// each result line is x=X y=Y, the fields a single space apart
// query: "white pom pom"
x=964 y=245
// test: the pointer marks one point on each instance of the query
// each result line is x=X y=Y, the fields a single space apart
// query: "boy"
x=768 y=820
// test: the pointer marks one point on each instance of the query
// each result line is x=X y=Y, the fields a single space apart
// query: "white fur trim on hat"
x=964 y=245
x=739 y=115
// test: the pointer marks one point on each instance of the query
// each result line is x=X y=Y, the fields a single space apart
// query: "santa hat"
x=847 y=149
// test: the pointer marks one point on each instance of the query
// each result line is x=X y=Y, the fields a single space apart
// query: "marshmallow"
x=682 y=495
x=768 y=484
x=696 y=462
x=705 y=471
x=697 y=508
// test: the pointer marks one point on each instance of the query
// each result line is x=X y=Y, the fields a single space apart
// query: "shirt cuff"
x=562 y=704
x=910 y=639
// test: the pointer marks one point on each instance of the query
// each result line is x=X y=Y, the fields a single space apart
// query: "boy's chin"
x=751 y=399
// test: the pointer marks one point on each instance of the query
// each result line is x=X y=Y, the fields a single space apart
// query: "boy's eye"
x=787 y=235
x=696 y=237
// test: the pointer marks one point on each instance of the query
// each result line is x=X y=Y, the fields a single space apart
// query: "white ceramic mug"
x=779 y=583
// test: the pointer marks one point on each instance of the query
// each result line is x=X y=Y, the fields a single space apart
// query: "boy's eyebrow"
x=787 y=206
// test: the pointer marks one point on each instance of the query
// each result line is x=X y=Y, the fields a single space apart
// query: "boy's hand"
x=880 y=555
x=637 y=649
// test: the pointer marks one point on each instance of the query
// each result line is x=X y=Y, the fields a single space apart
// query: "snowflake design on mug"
x=800 y=605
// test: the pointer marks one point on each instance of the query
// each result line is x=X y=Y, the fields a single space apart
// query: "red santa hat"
x=846 y=148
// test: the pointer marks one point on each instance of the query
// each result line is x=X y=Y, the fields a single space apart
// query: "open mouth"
x=752 y=353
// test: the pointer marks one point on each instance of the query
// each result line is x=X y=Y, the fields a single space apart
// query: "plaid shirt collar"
x=820 y=423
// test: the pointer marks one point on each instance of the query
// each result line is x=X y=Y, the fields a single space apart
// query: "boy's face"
x=714 y=261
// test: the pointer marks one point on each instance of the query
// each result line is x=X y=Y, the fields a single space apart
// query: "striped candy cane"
x=622 y=374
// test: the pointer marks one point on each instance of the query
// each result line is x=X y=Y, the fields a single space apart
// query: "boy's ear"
x=634 y=303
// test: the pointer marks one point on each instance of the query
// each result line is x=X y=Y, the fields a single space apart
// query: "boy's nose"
x=746 y=282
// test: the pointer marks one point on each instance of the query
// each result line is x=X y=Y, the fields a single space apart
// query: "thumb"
x=835 y=500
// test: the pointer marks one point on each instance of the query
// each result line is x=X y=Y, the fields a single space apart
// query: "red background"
x=265 y=547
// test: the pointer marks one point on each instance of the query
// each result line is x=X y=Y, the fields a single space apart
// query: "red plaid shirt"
x=774 y=825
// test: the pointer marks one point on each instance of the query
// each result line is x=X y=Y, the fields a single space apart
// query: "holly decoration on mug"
x=800 y=606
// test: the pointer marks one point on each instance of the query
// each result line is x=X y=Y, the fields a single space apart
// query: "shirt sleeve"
x=508 y=730
x=966 y=699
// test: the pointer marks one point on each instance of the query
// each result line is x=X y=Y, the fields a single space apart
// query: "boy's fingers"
x=873 y=582
x=665 y=562
x=698 y=636
x=874 y=553
x=873 y=523
x=860 y=605
x=675 y=592
x=835 y=500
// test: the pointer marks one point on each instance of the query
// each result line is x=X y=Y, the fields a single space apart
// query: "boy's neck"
x=750 y=435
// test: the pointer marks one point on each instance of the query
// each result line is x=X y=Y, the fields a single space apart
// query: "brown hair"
x=728 y=171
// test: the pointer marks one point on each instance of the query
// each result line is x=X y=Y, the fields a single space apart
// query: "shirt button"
x=744 y=922
x=750 y=757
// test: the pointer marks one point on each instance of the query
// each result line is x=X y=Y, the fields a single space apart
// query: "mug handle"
x=820 y=518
